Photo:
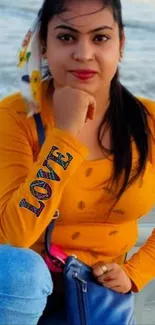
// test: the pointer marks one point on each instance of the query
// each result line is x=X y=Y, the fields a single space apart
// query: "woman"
x=96 y=164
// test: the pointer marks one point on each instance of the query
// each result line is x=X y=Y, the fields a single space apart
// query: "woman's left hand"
x=111 y=275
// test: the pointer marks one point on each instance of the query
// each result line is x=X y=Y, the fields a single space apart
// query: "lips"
x=83 y=74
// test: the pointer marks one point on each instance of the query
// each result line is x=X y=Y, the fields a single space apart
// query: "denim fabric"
x=25 y=284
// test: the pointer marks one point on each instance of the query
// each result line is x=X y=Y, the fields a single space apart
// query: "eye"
x=101 y=38
x=66 y=38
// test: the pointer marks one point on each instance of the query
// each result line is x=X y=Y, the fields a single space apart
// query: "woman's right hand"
x=71 y=108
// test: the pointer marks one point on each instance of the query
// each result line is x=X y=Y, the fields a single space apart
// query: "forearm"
x=30 y=208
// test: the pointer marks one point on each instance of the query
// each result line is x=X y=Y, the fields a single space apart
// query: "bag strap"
x=40 y=128
x=49 y=229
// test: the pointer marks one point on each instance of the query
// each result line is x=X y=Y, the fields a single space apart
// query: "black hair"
x=126 y=116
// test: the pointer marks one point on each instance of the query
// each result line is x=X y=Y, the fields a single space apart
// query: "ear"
x=44 y=50
x=122 y=42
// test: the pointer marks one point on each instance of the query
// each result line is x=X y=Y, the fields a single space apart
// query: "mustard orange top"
x=34 y=183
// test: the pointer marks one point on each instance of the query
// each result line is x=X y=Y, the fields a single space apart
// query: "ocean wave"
x=12 y=10
x=24 y=5
x=134 y=24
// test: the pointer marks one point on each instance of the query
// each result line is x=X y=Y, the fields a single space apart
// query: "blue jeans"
x=25 y=289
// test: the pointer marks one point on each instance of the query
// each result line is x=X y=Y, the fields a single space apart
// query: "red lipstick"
x=83 y=74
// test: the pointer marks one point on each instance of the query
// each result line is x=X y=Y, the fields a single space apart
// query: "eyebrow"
x=76 y=31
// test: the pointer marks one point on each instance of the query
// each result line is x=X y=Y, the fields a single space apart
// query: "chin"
x=91 y=89
x=87 y=86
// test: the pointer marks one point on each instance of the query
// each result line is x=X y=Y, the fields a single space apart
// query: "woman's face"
x=84 y=37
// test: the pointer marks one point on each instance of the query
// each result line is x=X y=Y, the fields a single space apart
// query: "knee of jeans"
x=23 y=272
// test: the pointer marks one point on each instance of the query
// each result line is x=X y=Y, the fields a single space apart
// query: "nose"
x=83 y=52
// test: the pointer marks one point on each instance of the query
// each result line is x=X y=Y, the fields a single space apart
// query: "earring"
x=43 y=51
x=121 y=54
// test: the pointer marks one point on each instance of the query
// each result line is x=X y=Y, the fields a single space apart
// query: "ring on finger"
x=104 y=269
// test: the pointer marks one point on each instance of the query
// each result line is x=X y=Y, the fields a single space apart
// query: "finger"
x=91 y=112
x=111 y=284
x=112 y=266
x=109 y=274
x=100 y=270
x=98 y=263
x=117 y=289
x=92 y=102
x=106 y=277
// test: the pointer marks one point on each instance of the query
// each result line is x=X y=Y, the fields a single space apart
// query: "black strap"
x=49 y=229
x=40 y=128
x=48 y=234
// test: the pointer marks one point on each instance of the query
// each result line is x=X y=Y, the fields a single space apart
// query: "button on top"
x=76 y=235
x=114 y=232
x=81 y=205
x=94 y=254
x=88 y=172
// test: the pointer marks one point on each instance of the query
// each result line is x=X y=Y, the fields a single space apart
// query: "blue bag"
x=87 y=301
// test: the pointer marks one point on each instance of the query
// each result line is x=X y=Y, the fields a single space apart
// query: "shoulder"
x=12 y=111
x=149 y=105
x=13 y=119
x=13 y=103
x=13 y=115
x=150 y=113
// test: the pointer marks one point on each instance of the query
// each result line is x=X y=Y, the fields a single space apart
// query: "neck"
x=102 y=102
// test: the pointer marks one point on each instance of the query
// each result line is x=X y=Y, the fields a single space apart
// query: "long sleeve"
x=30 y=191
x=141 y=266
